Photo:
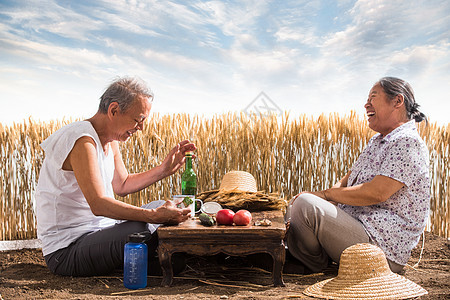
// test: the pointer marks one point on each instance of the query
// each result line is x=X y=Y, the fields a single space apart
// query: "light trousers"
x=320 y=230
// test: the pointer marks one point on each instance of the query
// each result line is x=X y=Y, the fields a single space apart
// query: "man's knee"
x=128 y=227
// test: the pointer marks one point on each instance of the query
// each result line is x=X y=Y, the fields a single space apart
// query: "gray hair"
x=395 y=86
x=124 y=91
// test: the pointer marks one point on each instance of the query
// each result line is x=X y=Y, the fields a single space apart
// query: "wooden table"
x=193 y=238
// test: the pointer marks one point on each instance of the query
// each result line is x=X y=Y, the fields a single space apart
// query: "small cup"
x=178 y=200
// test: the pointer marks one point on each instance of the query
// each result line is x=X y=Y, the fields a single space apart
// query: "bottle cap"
x=136 y=238
x=188 y=153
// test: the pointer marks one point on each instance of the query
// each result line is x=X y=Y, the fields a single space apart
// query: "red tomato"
x=225 y=217
x=242 y=217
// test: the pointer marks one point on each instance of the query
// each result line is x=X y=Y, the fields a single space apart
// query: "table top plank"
x=193 y=227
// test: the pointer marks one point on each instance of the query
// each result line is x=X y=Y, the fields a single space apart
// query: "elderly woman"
x=83 y=168
x=383 y=200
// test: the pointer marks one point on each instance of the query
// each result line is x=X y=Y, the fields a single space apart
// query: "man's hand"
x=169 y=214
x=176 y=157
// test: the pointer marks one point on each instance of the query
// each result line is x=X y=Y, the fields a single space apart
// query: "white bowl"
x=211 y=208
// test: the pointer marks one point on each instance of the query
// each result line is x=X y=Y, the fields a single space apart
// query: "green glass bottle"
x=189 y=178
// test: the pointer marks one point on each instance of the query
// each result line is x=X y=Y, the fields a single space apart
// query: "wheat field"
x=286 y=155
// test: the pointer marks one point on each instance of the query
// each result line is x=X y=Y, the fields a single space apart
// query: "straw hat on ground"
x=364 y=273
x=238 y=189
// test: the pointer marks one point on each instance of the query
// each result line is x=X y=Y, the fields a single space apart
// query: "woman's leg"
x=319 y=230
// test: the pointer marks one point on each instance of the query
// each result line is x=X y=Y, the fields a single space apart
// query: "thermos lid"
x=136 y=238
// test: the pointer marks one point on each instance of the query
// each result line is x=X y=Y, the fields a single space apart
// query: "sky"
x=212 y=57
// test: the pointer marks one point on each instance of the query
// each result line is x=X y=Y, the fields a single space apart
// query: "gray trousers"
x=320 y=230
x=101 y=252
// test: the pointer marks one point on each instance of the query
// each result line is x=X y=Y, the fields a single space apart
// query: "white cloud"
x=48 y=16
x=418 y=60
x=59 y=58
x=233 y=19
x=302 y=35
x=379 y=27
x=194 y=72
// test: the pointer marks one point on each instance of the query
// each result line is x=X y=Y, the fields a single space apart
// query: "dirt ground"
x=23 y=275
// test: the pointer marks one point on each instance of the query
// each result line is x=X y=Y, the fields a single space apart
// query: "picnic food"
x=206 y=219
x=242 y=217
x=187 y=201
x=263 y=222
x=225 y=217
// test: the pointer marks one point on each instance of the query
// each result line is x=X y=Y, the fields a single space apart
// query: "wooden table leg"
x=165 y=260
x=279 y=257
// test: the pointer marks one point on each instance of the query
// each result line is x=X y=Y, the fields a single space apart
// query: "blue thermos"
x=135 y=262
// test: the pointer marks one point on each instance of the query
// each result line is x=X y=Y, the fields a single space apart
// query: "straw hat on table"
x=238 y=189
x=364 y=273
x=238 y=181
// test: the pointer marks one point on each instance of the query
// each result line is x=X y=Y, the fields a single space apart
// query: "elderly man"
x=76 y=211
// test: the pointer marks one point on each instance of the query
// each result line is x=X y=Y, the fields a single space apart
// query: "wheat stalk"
x=285 y=156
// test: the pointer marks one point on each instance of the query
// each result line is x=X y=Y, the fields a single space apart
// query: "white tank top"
x=63 y=214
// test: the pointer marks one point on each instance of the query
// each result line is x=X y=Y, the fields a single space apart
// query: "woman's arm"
x=83 y=161
x=340 y=183
x=378 y=190
x=124 y=183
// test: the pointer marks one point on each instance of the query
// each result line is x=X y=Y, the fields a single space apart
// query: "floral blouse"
x=396 y=224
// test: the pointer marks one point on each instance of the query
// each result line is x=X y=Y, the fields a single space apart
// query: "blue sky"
x=208 y=57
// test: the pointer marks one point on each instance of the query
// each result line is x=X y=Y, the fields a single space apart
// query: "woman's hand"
x=295 y=198
x=320 y=194
x=323 y=195
x=176 y=157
